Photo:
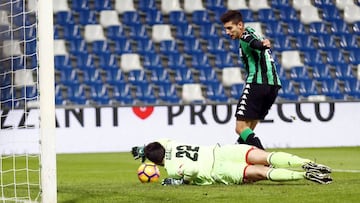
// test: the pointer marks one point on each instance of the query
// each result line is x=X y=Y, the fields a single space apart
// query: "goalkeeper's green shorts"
x=230 y=163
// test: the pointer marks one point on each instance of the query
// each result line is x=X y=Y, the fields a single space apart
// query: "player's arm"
x=256 y=43
x=260 y=45
x=186 y=173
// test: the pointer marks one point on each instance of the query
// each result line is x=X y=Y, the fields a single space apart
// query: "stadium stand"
x=148 y=51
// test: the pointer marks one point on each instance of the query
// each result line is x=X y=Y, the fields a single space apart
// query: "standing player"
x=229 y=164
x=262 y=82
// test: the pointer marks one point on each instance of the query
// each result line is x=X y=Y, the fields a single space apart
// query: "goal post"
x=47 y=101
x=27 y=102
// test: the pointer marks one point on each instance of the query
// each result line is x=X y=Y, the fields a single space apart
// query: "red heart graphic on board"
x=143 y=112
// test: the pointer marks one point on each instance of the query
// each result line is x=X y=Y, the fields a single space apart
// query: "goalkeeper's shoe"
x=172 y=181
x=316 y=168
x=322 y=178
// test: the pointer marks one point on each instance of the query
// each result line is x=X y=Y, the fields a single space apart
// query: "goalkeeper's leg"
x=283 y=159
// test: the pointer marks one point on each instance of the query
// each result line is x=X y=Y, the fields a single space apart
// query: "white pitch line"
x=346 y=171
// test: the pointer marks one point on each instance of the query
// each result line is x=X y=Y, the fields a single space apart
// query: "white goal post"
x=27 y=102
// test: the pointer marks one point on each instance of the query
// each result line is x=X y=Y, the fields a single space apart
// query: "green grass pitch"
x=111 y=177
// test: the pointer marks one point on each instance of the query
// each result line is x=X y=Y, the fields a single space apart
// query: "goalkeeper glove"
x=172 y=181
x=138 y=152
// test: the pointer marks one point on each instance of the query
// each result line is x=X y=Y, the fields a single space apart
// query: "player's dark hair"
x=231 y=15
x=155 y=152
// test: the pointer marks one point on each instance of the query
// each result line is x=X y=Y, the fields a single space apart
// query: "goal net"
x=27 y=154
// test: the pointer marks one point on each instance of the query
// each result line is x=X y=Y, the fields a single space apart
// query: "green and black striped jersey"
x=257 y=59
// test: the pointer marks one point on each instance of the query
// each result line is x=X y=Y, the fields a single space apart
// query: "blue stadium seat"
x=123 y=93
x=282 y=43
x=99 y=47
x=168 y=93
x=184 y=31
x=334 y=91
x=298 y=73
x=200 y=61
x=280 y=4
x=77 y=46
x=72 y=32
x=87 y=17
x=145 y=93
x=317 y=28
x=29 y=92
x=305 y=42
x=296 y=28
x=22 y=19
x=312 y=57
x=69 y=77
x=62 y=62
x=354 y=85
x=266 y=15
x=287 y=91
x=100 y=5
x=85 y=61
x=335 y=56
x=92 y=76
x=207 y=76
x=208 y=31
x=349 y=41
x=288 y=14
x=176 y=61
x=199 y=17
x=80 y=5
x=130 y=18
x=5 y=79
x=137 y=77
x=322 y=72
x=216 y=93
x=344 y=72
x=327 y=42
x=102 y=95
x=145 y=5
x=153 y=17
x=152 y=61
x=192 y=45
x=224 y=59
x=160 y=76
x=338 y=27
x=307 y=87
x=122 y=46
x=115 y=77
x=214 y=4
x=354 y=56
x=64 y=18
x=168 y=47
x=115 y=32
x=183 y=76
x=236 y=90
x=30 y=47
x=273 y=28
x=247 y=15
x=218 y=12
x=234 y=46
x=145 y=46
x=138 y=31
x=216 y=45
x=330 y=13
x=177 y=18
x=108 y=61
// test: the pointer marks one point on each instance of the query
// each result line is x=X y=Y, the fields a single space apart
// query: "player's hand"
x=172 y=181
x=266 y=43
x=138 y=152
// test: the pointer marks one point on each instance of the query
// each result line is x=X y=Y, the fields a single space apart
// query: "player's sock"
x=249 y=136
x=283 y=159
x=281 y=174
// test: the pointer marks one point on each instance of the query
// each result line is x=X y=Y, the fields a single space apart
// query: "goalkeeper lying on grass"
x=229 y=164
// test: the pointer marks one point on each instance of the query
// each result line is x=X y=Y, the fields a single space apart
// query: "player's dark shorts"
x=256 y=101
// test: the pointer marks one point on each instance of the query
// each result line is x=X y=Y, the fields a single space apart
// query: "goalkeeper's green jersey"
x=257 y=59
x=191 y=162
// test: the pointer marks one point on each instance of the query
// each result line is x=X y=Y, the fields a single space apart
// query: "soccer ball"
x=148 y=173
